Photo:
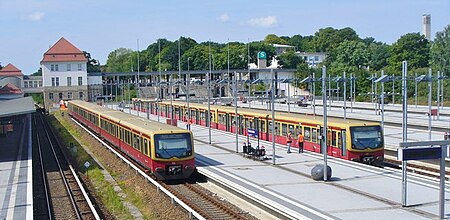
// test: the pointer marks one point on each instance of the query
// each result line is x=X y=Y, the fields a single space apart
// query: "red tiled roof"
x=63 y=51
x=10 y=70
x=10 y=89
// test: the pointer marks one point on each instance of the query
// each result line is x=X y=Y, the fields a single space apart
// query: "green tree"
x=119 y=61
x=349 y=56
x=38 y=72
x=274 y=39
x=289 y=60
x=412 y=47
x=92 y=65
x=379 y=55
x=327 y=39
x=440 y=51
x=303 y=71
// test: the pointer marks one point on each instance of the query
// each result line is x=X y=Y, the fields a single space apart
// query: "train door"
x=241 y=124
x=343 y=142
x=197 y=116
x=227 y=122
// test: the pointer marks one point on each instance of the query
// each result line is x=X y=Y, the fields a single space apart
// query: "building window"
x=69 y=67
x=69 y=81
x=50 y=96
x=60 y=95
x=69 y=95
x=80 y=81
x=81 y=95
x=56 y=68
x=57 y=81
x=35 y=84
x=316 y=58
x=53 y=81
x=52 y=67
x=40 y=83
x=80 y=67
x=25 y=84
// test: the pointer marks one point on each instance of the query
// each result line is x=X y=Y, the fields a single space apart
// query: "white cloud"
x=264 y=21
x=36 y=16
x=224 y=17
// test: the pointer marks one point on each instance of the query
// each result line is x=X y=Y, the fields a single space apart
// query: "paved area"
x=355 y=191
x=16 y=197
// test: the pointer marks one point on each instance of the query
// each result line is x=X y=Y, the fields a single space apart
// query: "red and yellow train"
x=167 y=151
x=354 y=140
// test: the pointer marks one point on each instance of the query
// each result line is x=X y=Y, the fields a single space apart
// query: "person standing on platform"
x=289 y=142
x=188 y=123
x=300 y=142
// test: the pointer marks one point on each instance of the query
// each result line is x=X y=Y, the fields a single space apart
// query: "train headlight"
x=159 y=170
x=188 y=167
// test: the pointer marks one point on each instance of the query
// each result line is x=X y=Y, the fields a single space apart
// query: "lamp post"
x=188 y=93
x=405 y=124
x=208 y=78
x=273 y=115
x=325 y=126
x=345 y=96
x=236 y=111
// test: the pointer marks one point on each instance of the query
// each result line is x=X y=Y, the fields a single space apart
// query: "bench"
x=254 y=153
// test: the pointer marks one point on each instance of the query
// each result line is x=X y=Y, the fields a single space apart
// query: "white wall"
x=94 y=80
x=62 y=73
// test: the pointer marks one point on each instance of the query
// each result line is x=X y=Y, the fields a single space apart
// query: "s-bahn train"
x=167 y=151
x=354 y=140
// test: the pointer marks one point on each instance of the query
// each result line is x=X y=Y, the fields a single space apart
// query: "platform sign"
x=252 y=132
x=423 y=153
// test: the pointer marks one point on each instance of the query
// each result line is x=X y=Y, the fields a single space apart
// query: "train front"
x=367 y=144
x=173 y=155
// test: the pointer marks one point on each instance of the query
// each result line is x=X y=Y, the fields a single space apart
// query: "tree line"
x=345 y=51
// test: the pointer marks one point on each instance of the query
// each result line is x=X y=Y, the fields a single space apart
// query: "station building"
x=64 y=74
x=11 y=80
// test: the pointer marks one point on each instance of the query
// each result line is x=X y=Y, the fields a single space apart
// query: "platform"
x=16 y=196
x=355 y=191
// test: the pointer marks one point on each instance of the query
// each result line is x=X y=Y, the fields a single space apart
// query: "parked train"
x=167 y=151
x=354 y=140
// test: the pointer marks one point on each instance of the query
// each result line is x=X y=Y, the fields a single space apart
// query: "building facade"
x=64 y=74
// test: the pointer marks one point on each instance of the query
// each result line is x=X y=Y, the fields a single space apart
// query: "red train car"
x=167 y=151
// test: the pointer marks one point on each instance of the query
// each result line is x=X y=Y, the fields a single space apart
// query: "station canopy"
x=16 y=106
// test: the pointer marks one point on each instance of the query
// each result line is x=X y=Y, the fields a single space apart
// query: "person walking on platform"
x=300 y=142
x=188 y=124
x=289 y=142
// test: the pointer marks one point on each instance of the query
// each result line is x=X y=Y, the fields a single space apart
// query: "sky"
x=29 y=27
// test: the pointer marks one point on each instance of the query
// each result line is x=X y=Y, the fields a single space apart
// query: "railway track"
x=429 y=168
x=209 y=206
x=60 y=193
x=192 y=194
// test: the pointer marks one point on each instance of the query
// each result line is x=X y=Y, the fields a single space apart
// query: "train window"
x=251 y=124
x=314 y=135
x=145 y=146
x=333 y=138
x=339 y=140
x=270 y=127
x=298 y=129
x=263 y=126
x=277 y=128
x=329 y=137
x=284 y=130
x=246 y=123
x=307 y=134
x=291 y=129
x=140 y=144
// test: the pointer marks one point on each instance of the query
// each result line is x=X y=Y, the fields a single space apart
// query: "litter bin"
x=317 y=172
